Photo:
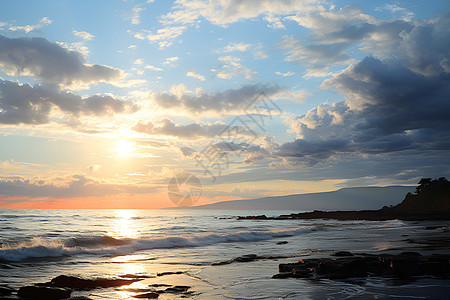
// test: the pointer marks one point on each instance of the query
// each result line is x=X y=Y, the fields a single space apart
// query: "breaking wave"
x=39 y=248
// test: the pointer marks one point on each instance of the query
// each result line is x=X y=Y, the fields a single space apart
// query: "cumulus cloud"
x=165 y=37
x=398 y=104
x=28 y=28
x=232 y=100
x=83 y=34
x=191 y=131
x=196 y=76
x=242 y=47
x=50 y=63
x=232 y=68
x=25 y=104
x=225 y=12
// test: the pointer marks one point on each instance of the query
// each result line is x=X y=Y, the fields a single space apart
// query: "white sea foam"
x=106 y=245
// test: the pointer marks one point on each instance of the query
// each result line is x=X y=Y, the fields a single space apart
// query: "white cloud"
x=226 y=12
x=197 y=76
x=170 y=61
x=285 y=74
x=27 y=28
x=164 y=36
x=242 y=47
x=138 y=61
x=153 y=68
x=83 y=34
x=260 y=55
x=233 y=68
x=135 y=15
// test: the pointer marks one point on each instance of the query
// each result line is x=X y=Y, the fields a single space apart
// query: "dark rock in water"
x=282 y=243
x=81 y=283
x=159 y=285
x=80 y=298
x=150 y=295
x=177 y=289
x=4 y=290
x=411 y=254
x=246 y=258
x=343 y=268
x=169 y=273
x=43 y=292
x=403 y=265
x=342 y=253
x=135 y=276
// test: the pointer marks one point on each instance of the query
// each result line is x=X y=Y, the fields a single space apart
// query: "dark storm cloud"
x=25 y=104
x=50 y=62
x=396 y=104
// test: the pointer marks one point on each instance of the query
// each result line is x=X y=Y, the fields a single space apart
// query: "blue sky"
x=105 y=101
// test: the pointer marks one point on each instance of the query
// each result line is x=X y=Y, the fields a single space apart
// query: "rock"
x=169 y=273
x=342 y=268
x=342 y=253
x=43 y=292
x=177 y=289
x=282 y=243
x=159 y=285
x=411 y=254
x=150 y=295
x=246 y=258
x=4 y=290
x=404 y=267
x=81 y=283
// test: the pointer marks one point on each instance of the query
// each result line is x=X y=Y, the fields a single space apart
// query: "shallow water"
x=38 y=245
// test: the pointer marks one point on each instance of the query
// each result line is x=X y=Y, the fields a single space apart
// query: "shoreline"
x=363 y=215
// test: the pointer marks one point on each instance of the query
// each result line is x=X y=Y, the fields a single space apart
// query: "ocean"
x=38 y=245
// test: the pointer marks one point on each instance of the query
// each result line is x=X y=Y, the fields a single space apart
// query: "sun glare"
x=124 y=148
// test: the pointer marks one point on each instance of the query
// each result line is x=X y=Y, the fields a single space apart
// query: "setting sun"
x=124 y=148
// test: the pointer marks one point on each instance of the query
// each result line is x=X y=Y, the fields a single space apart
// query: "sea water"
x=38 y=245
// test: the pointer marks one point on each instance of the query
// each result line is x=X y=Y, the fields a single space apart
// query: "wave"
x=41 y=248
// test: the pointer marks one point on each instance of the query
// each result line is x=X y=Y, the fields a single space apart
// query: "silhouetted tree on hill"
x=431 y=195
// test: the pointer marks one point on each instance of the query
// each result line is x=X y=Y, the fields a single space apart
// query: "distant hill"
x=343 y=199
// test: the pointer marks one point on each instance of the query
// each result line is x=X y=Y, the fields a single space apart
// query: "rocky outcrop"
x=431 y=202
x=406 y=264
x=43 y=292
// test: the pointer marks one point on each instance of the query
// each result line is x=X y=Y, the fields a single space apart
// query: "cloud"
x=50 y=63
x=191 y=131
x=285 y=74
x=28 y=28
x=232 y=100
x=225 y=12
x=25 y=104
x=233 y=68
x=83 y=34
x=153 y=68
x=135 y=15
x=242 y=47
x=170 y=61
x=318 y=56
x=77 y=185
x=197 y=76
x=396 y=105
x=164 y=37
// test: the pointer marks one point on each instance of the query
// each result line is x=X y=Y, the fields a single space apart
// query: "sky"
x=103 y=104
